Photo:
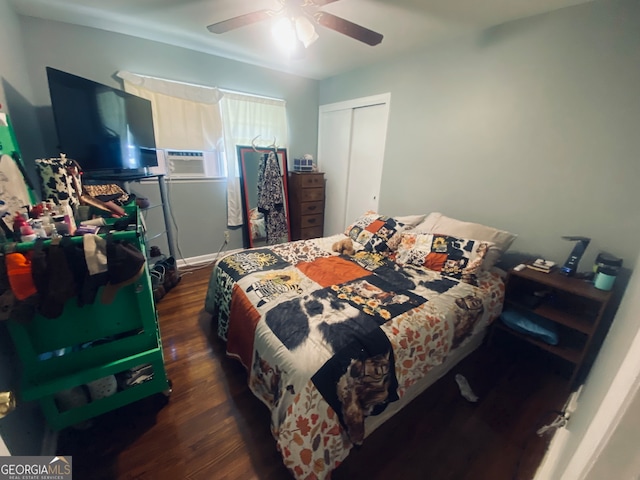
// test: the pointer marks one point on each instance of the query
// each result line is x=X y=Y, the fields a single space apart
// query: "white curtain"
x=245 y=117
x=195 y=117
x=185 y=116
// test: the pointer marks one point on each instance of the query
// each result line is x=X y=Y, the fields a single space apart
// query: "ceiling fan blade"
x=240 y=21
x=348 y=28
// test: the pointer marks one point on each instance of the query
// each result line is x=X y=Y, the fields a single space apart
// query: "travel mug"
x=605 y=278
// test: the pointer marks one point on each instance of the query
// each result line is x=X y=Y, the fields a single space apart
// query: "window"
x=187 y=124
x=198 y=128
x=245 y=118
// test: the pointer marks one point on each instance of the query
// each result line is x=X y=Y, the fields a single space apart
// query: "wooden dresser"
x=306 y=204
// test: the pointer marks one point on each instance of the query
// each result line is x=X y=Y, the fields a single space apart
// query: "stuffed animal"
x=344 y=246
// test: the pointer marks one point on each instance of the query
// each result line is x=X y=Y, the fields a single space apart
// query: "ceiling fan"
x=302 y=14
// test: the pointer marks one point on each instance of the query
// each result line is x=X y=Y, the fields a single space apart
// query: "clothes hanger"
x=273 y=146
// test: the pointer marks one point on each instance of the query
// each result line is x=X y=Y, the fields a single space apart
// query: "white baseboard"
x=204 y=259
x=549 y=465
x=196 y=261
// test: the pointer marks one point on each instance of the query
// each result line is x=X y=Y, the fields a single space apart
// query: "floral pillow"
x=453 y=257
x=376 y=233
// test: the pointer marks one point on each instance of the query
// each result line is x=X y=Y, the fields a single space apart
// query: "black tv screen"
x=105 y=129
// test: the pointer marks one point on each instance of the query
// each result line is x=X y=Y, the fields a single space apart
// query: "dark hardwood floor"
x=213 y=428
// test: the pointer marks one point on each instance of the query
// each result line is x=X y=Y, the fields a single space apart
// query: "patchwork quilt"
x=329 y=340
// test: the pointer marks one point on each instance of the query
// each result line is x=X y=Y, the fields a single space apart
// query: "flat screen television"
x=106 y=130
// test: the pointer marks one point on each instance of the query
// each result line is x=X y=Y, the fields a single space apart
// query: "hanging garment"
x=14 y=194
x=262 y=163
x=271 y=199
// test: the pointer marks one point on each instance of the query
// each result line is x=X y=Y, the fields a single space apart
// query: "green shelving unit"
x=88 y=343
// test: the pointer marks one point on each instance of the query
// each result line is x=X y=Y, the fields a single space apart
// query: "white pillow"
x=410 y=220
x=501 y=239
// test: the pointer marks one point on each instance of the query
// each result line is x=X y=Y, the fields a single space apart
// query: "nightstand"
x=574 y=306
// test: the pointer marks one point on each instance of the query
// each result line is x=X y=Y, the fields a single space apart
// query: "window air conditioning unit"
x=191 y=164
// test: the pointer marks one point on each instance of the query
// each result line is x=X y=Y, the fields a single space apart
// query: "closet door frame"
x=334 y=156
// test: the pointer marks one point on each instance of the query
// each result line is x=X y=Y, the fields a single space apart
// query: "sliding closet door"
x=351 y=142
x=334 y=146
x=368 y=136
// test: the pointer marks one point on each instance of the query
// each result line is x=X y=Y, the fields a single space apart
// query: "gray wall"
x=198 y=207
x=531 y=127
x=21 y=430
x=16 y=94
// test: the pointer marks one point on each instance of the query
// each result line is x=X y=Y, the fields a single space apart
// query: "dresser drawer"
x=311 y=180
x=311 y=194
x=311 y=220
x=309 y=208
x=311 y=232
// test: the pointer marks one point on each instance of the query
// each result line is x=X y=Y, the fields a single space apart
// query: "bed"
x=335 y=344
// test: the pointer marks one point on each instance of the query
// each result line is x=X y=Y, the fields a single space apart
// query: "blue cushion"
x=531 y=324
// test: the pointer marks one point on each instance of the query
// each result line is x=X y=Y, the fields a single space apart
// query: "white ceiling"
x=405 y=24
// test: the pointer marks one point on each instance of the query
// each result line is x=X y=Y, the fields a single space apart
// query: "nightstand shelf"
x=568 y=319
x=570 y=354
x=574 y=306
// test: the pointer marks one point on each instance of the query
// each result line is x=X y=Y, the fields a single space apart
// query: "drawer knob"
x=312 y=207
x=312 y=220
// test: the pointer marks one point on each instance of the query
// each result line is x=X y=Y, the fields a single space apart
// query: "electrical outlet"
x=226 y=236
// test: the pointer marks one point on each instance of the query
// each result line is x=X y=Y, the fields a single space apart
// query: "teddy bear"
x=344 y=246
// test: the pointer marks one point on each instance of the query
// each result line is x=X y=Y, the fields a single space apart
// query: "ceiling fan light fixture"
x=305 y=31
x=284 y=33
x=293 y=33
